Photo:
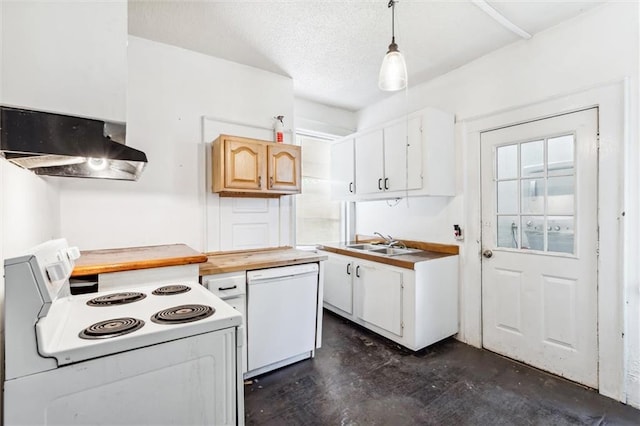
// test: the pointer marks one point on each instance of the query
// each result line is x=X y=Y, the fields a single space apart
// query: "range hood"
x=62 y=145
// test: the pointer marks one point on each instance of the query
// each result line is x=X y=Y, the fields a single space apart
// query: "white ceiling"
x=333 y=50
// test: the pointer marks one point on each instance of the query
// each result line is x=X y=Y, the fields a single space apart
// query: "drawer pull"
x=227 y=288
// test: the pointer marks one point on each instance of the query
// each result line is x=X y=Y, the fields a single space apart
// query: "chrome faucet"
x=389 y=241
x=386 y=239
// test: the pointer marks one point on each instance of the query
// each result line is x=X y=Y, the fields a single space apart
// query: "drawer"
x=226 y=285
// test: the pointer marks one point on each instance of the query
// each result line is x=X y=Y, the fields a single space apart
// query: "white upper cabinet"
x=370 y=163
x=412 y=156
x=343 y=185
x=66 y=57
x=402 y=155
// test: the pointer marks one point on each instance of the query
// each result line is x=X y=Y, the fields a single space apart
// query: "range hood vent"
x=62 y=145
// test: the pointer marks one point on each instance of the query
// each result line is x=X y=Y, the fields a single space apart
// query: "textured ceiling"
x=333 y=50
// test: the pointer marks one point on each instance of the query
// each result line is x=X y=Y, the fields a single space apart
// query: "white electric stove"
x=147 y=354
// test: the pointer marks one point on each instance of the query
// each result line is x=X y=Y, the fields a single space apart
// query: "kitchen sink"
x=363 y=247
x=393 y=251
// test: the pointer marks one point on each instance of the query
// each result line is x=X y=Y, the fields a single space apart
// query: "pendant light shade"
x=393 y=72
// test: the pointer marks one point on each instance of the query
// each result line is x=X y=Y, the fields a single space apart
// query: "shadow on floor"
x=359 y=378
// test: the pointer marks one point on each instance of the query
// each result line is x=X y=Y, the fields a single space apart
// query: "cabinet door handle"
x=227 y=288
x=270 y=181
x=351 y=187
x=348 y=269
x=259 y=181
x=380 y=184
x=358 y=271
x=386 y=183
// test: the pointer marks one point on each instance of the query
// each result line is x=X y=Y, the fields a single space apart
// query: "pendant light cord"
x=392 y=5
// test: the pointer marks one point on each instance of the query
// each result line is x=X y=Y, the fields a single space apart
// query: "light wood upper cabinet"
x=284 y=168
x=254 y=168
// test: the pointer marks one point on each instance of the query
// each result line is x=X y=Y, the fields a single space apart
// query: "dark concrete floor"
x=359 y=378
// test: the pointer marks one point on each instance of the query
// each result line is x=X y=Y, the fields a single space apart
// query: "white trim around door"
x=613 y=124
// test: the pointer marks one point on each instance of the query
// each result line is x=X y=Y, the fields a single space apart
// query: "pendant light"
x=393 y=73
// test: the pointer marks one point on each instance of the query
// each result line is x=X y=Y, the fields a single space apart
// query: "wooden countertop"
x=244 y=260
x=93 y=262
x=428 y=251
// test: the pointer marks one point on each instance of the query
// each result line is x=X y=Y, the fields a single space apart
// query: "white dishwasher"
x=281 y=316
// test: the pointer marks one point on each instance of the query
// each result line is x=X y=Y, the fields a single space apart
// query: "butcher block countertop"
x=428 y=251
x=94 y=262
x=245 y=260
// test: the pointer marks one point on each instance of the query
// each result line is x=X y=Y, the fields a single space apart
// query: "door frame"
x=613 y=124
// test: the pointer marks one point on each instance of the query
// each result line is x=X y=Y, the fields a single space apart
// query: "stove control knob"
x=56 y=272
x=73 y=253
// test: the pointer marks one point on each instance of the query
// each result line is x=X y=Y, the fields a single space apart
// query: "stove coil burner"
x=111 y=328
x=116 y=299
x=182 y=314
x=168 y=290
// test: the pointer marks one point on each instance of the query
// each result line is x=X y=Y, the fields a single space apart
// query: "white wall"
x=598 y=47
x=66 y=56
x=323 y=119
x=169 y=91
x=29 y=209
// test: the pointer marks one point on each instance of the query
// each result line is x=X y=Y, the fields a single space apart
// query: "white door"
x=540 y=242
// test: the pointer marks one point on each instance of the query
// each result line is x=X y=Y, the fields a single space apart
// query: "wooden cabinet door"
x=338 y=288
x=403 y=155
x=379 y=296
x=284 y=168
x=244 y=165
x=342 y=170
x=369 y=163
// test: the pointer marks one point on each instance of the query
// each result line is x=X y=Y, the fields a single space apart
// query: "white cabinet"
x=403 y=155
x=381 y=158
x=66 y=57
x=338 y=285
x=413 y=307
x=342 y=169
x=379 y=296
x=369 y=163
x=412 y=156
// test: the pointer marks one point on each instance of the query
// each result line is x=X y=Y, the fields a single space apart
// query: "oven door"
x=186 y=381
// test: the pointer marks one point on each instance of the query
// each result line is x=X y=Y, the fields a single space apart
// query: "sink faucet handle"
x=380 y=235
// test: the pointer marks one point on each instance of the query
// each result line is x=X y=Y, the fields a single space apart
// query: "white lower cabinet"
x=413 y=307
x=338 y=285
x=379 y=296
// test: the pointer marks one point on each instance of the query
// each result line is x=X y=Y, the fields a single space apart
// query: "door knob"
x=487 y=253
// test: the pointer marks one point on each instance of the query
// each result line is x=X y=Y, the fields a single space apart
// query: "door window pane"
x=507 y=159
x=536 y=197
x=532 y=196
x=532 y=158
x=560 y=155
x=560 y=195
x=508 y=197
x=533 y=232
x=508 y=231
x=560 y=234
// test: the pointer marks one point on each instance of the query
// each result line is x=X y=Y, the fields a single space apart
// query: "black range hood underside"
x=62 y=145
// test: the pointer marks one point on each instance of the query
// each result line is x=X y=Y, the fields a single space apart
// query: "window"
x=318 y=218
x=535 y=195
